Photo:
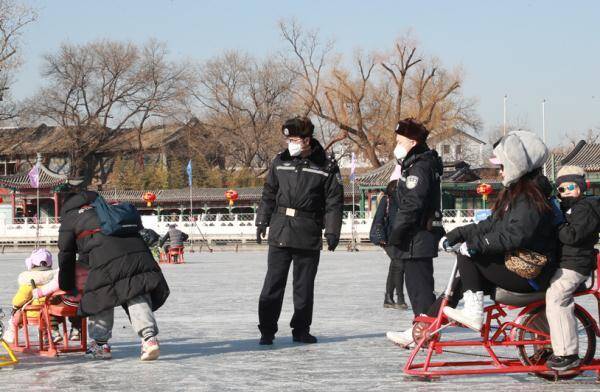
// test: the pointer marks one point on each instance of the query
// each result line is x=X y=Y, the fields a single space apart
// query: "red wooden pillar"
x=55 y=207
x=13 y=205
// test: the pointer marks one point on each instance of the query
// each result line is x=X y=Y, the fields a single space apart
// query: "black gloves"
x=332 y=241
x=261 y=232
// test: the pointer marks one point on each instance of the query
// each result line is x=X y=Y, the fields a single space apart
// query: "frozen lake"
x=209 y=339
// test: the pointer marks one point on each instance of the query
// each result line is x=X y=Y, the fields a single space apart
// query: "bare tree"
x=367 y=97
x=164 y=89
x=99 y=90
x=14 y=17
x=243 y=103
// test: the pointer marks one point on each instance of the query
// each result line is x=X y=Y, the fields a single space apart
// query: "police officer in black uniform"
x=302 y=195
x=417 y=227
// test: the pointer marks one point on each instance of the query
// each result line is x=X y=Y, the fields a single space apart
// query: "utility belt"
x=297 y=213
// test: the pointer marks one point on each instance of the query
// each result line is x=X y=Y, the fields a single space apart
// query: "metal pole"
x=37 y=226
x=544 y=128
x=504 y=122
x=544 y=121
x=37 y=199
x=192 y=209
x=352 y=225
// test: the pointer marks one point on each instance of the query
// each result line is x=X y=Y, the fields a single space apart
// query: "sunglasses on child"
x=563 y=189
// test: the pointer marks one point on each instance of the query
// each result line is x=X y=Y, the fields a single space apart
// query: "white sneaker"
x=96 y=351
x=150 y=349
x=403 y=339
x=472 y=314
x=56 y=336
x=75 y=335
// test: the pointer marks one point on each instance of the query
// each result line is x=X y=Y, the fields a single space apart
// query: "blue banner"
x=189 y=172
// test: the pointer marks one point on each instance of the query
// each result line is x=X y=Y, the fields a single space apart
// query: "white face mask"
x=294 y=148
x=400 y=152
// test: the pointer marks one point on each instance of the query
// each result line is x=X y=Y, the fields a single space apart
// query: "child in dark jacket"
x=578 y=237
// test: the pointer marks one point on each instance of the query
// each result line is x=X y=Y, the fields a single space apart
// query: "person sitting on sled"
x=578 y=236
x=173 y=238
x=522 y=219
x=39 y=272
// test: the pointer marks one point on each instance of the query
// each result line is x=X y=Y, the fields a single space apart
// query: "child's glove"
x=37 y=293
x=443 y=244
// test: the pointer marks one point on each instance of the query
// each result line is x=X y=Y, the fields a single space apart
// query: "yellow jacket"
x=41 y=277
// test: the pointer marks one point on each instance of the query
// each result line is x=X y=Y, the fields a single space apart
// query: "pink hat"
x=397 y=173
x=39 y=257
x=495 y=161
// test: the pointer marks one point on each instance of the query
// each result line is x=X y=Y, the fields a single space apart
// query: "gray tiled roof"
x=198 y=194
x=377 y=177
x=588 y=157
x=585 y=155
x=48 y=179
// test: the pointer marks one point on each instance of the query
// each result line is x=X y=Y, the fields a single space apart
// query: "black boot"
x=266 y=340
x=401 y=304
x=388 y=301
x=304 y=337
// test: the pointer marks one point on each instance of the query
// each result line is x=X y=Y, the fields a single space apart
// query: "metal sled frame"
x=505 y=335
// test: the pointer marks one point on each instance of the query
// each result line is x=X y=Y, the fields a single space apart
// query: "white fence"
x=219 y=228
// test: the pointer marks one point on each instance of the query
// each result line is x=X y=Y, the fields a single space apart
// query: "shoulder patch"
x=412 y=181
x=338 y=177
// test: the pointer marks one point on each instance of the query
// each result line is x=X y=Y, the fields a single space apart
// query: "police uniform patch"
x=412 y=181
x=286 y=132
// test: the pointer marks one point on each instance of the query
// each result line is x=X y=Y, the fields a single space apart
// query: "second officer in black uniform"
x=417 y=227
x=302 y=195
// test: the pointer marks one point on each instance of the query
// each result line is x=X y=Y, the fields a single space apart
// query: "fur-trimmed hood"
x=39 y=276
x=520 y=152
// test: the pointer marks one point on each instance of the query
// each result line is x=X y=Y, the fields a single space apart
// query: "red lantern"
x=232 y=196
x=484 y=190
x=149 y=197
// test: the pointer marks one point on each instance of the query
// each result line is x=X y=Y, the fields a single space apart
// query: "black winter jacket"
x=310 y=185
x=175 y=237
x=120 y=268
x=521 y=227
x=417 y=226
x=579 y=235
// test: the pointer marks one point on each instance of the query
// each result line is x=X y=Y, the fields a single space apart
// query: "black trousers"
x=419 y=284
x=306 y=262
x=395 y=279
x=483 y=273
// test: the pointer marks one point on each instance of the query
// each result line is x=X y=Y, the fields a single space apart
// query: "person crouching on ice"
x=578 y=236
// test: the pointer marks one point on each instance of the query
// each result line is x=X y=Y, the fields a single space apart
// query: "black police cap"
x=298 y=127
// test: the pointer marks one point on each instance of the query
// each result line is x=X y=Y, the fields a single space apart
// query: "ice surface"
x=209 y=339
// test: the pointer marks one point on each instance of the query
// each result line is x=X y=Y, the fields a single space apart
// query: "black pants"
x=306 y=262
x=419 y=284
x=482 y=273
x=395 y=279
